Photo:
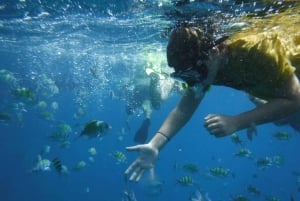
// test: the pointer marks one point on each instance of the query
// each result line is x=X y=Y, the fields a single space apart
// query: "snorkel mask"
x=191 y=75
x=197 y=73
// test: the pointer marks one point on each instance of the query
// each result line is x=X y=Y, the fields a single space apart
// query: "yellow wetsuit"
x=262 y=57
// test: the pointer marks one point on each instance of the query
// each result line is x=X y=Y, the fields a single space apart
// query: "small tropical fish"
x=42 y=105
x=191 y=168
x=42 y=165
x=243 y=153
x=95 y=128
x=54 y=105
x=236 y=139
x=282 y=135
x=92 y=151
x=62 y=134
x=185 y=181
x=7 y=77
x=253 y=190
x=219 y=172
x=64 y=128
x=264 y=162
x=57 y=165
x=119 y=156
x=25 y=94
x=46 y=115
x=80 y=165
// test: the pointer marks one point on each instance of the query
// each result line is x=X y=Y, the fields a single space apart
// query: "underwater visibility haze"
x=67 y=73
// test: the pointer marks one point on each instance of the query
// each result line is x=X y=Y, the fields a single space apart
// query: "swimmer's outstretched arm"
x=148 y=153
x=179 y=116
x=286 y=102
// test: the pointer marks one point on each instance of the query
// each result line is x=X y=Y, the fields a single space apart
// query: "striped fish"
x=185 y=181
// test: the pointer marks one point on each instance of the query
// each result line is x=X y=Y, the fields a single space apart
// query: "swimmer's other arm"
x=179 y=116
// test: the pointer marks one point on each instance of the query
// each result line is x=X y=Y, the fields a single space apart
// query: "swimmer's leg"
x=142 y=134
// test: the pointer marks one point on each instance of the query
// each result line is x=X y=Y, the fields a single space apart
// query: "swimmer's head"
x=187 y=52
x=186 y=46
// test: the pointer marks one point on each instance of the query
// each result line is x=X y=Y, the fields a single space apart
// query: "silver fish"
x=42 y=165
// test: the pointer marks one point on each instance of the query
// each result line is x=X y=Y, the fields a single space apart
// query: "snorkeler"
x=262 y=64
x=149 y=91
x=145 y=96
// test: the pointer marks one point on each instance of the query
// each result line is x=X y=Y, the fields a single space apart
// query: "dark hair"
x=186 y=46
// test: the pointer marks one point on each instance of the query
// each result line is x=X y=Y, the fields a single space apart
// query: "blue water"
x=52 y=48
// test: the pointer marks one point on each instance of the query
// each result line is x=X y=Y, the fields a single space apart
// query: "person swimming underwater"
x=147 y=92
x=262 y=63
x=145 y=95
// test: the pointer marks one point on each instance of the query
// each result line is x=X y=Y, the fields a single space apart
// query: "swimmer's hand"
x=220 y=125
x=145 y=161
